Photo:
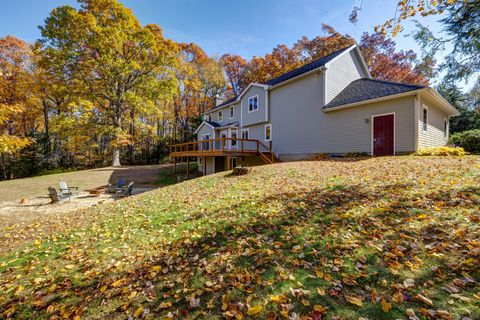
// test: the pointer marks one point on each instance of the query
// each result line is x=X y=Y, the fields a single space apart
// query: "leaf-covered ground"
x=384 y=238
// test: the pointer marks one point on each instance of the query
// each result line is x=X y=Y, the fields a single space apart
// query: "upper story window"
x=209 y=117
x=253 y=104
x=231 y=112
x=425 y=119
x=220 y=115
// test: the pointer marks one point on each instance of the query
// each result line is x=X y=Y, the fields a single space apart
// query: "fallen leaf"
x=424 y=299
x=355 y=300
x=254 y=310
x=386 y=306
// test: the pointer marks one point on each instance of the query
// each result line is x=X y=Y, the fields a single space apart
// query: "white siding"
x=434 y=136
x=342 y=72
x=301 y=128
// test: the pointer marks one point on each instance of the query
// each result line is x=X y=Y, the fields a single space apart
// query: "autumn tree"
x=322 y=45
x=200 y=80
x=234 y=66
x=117 y=59
x=16 y=98
x=460 y=33
x=386 y=63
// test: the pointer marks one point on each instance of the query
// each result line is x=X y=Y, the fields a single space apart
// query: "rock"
x=24 y=201
x=238 y=171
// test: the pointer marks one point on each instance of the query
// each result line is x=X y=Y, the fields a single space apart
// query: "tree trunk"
x=46 y=122
x=4 y=168
x=117 y=122
x=116 y=157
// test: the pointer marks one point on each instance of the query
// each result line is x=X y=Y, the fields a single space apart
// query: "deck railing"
x=225 y=145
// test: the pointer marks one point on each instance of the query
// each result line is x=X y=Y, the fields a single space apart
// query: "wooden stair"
x=266 y=154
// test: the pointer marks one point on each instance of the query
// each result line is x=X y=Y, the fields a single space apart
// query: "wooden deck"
x=219 y=147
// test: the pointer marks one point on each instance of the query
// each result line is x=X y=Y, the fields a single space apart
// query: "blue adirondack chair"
x=116 y=188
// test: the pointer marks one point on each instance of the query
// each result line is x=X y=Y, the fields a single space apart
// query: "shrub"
x=356 y=154
x=321 y=156
x=468 y=140
x=441 y=151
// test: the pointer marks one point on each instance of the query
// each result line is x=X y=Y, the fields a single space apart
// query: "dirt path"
x=15 y=190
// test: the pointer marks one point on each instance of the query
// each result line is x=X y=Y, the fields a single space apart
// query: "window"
x=220 y=115
x=231 y=112
x=425 y=119
x=268 y=132
x=253 y=104
x=245 y=134
x=233 y=135
x=210 y=117
x=206 y=144
x=445 y=127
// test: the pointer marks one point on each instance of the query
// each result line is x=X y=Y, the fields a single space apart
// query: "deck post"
x=204 y=166
x=188 y=167
x=174 y=164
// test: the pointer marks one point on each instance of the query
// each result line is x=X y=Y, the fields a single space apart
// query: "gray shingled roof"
x=223 y=104
x=306 y=68
x=213 y=124
x=367 y=89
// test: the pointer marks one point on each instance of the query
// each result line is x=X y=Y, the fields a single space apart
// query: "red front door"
x=383 y=133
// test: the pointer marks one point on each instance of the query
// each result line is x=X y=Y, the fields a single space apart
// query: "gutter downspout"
x=415 y=119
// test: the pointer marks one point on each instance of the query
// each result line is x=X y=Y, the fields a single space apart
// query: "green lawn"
x=379 y=238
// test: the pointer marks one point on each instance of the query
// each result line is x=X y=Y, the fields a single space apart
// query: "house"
x=329 y=106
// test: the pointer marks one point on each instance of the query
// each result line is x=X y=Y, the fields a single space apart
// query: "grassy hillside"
x=381 y=238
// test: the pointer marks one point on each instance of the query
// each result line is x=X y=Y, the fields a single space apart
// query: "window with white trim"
x=425 y=119
x=244 y=133
x=233 y=135
x=253 y=104
x=220 y=115
x=268 y=132
x=231 y=112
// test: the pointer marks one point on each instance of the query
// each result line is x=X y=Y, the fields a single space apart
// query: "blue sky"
x=248 y=27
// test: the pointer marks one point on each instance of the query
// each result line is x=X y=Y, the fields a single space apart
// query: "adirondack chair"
x=66 y=190
x=126 y=191
x=120 y=185
x=55 y=196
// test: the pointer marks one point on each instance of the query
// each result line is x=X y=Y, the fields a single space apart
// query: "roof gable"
x=307 y=67
x=211 y=124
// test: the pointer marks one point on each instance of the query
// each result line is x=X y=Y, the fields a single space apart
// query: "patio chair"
x=66 y=190
x=120 y=185
x=57 y=197
x=126 y=191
